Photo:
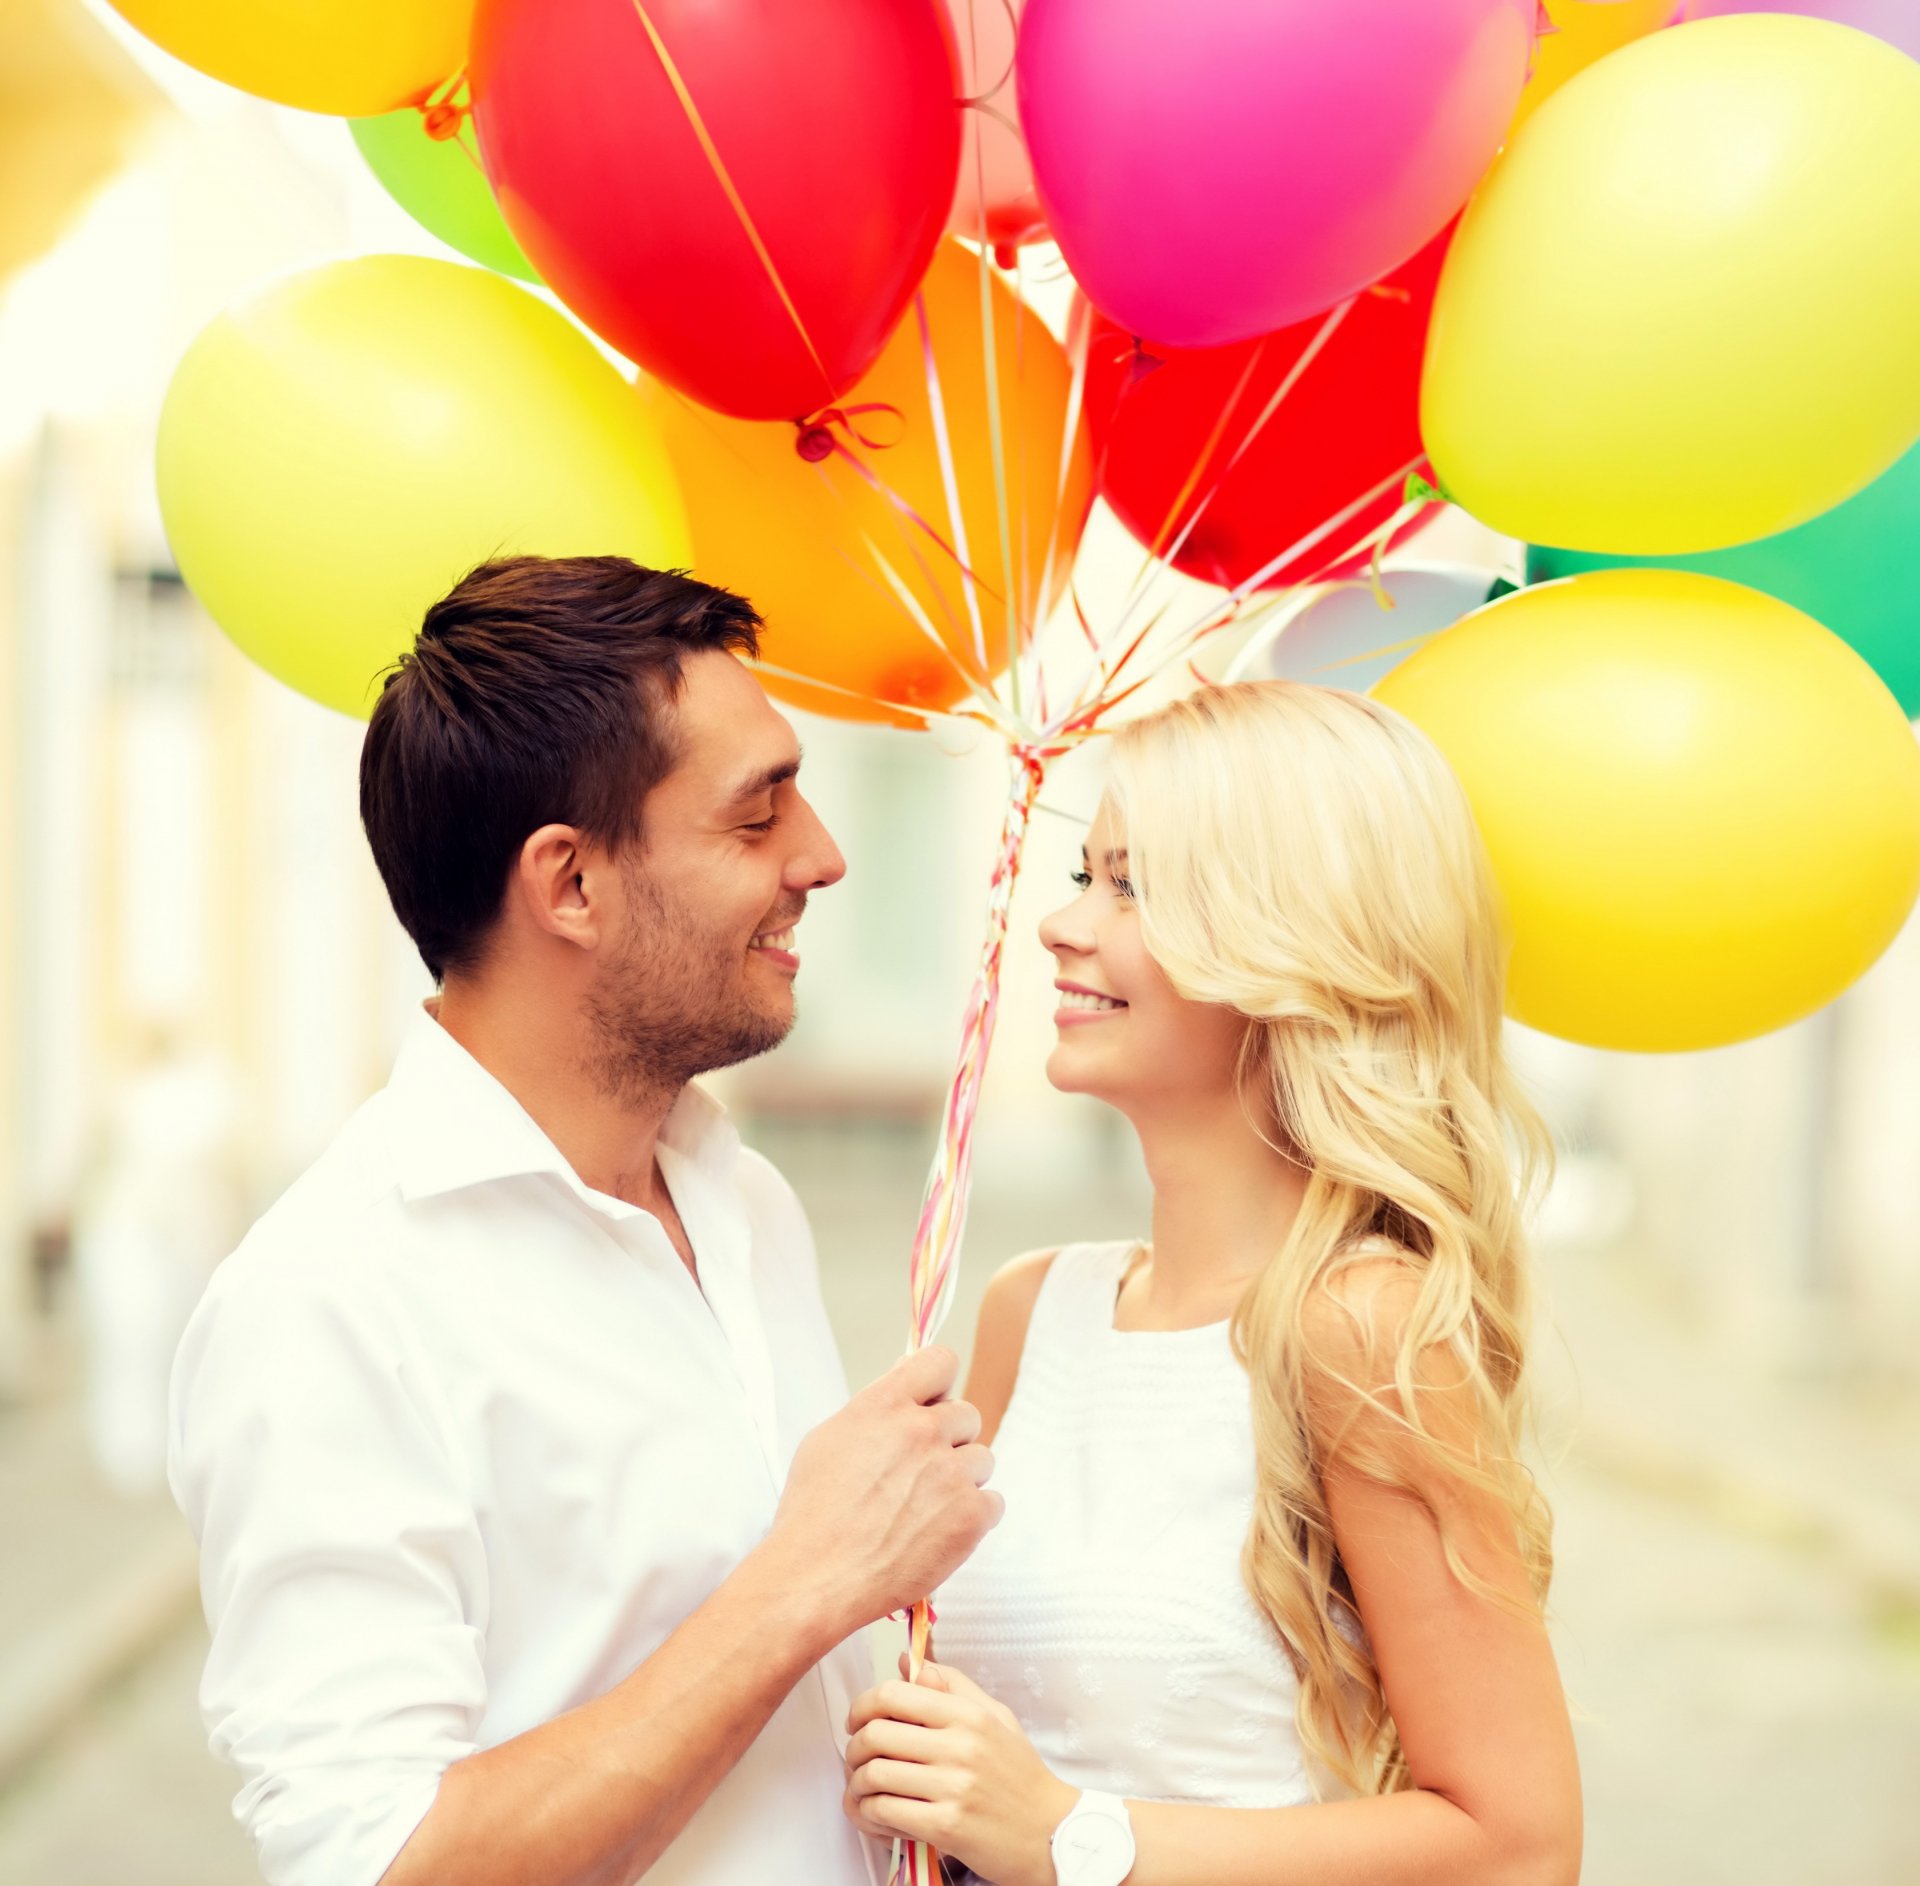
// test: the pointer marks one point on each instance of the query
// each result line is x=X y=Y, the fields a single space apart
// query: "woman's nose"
x=1059 y=932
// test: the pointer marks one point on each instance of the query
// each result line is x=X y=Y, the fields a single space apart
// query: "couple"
x=537 y=1531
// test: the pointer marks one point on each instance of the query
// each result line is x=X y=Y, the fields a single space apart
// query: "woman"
x=1266 y=1605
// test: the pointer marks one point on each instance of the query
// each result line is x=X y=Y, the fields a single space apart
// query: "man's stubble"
x=672 y=1002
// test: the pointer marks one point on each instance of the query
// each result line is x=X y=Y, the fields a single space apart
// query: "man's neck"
x=544 y=1060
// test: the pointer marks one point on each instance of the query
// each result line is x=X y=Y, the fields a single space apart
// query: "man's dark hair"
x=540 y=691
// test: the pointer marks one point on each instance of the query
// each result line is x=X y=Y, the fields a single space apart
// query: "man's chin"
x=760 y=1033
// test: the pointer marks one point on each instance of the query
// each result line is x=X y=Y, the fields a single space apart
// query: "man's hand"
x=888 y=1496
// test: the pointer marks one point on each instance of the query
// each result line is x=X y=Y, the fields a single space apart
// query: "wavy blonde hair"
x=1305 y=856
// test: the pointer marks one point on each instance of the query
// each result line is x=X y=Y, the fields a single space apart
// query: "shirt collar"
x=456 y=1125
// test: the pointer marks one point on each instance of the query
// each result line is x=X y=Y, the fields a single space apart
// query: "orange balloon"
x=823 y=554
x=1583 y=31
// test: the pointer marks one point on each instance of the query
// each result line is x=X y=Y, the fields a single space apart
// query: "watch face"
x=1093 y=1849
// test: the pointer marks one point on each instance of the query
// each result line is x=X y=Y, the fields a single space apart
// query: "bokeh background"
x=199 y=979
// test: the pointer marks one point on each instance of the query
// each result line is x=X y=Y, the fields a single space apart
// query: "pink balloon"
x=1895 y=21
x=995 y=201
x=1216 y=169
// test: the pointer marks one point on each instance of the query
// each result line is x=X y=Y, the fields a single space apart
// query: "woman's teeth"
x=774 y=940
x=1075 y=998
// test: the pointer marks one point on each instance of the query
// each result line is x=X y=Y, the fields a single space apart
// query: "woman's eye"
x=1124 y=886
x=1084 y=879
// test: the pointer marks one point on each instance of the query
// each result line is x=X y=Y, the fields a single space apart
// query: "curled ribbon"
x=814 y=440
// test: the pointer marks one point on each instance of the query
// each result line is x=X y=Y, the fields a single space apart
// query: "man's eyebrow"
x=763 y=782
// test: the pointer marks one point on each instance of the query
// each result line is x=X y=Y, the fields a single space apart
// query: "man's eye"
x=765 y=825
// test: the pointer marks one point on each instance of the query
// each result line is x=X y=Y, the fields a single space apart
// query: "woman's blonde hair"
x=1306 y=857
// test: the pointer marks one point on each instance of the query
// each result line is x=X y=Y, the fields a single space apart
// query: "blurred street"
x=1748 y=1685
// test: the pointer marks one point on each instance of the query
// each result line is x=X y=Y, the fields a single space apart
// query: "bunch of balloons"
x=1635 y=282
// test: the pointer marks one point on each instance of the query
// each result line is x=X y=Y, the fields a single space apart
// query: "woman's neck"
x=1224 y=1200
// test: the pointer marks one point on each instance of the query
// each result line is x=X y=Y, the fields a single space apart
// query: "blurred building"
x=188 y=888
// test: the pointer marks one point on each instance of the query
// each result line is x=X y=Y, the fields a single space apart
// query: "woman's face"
x=1125 y=1035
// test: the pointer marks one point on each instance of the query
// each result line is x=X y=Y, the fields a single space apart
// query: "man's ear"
x=554 y=881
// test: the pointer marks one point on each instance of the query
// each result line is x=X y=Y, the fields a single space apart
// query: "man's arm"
x=884 y=1500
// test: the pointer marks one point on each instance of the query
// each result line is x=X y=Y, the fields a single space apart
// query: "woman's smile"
x=1081 y=1004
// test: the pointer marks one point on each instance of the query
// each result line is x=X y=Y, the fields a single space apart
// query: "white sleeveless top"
x=1106 y=1610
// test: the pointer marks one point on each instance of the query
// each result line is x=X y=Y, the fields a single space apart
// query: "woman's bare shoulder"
x=1000 y=1334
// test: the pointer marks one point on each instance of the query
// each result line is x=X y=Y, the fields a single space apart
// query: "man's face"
x=701 y=968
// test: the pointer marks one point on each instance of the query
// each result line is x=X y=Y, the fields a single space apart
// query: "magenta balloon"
x=1895 y=21
x=1216 y=169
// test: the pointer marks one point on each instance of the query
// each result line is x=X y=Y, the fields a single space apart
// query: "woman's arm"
x=1473 y=1690
x=1000 y=1335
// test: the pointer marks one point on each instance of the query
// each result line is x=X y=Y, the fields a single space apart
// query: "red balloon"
x=1348 y=426
x=834 y=122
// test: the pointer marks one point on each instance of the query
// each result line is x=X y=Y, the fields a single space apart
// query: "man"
x=530 y=1537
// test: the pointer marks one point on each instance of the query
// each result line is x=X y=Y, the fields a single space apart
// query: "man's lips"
x=777 y=946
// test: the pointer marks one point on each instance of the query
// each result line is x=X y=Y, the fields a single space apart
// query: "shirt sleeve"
x=341 y=1564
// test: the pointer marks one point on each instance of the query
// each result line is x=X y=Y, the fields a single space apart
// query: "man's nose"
x=816 y=862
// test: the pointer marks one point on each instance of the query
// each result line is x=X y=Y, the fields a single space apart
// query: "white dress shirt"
x=463 y=1441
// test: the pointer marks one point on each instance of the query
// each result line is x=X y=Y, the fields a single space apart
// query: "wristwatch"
x=1093 y=1846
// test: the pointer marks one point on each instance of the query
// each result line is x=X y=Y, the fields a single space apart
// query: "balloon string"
x=1158 y=548
x=949 y=477
x=933 y=1268
x=996 y=440
x=975 y=682
x=893 y=589
x=1229 y=609
x=717 y=165
x=1291 y=379
x=968 y=576
x=1032 y=608
x=973 y=46
x=1069 y=437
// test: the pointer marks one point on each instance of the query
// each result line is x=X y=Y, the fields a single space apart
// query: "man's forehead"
x=732 y=741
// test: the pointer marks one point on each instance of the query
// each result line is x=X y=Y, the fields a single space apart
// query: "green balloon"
x=1855 y=568
x=439 y=183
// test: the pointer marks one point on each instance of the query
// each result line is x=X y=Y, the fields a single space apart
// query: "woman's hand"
x=941 y=1761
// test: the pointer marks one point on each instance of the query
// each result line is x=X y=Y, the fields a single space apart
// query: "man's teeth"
x=1076 y=998
x=774 y=940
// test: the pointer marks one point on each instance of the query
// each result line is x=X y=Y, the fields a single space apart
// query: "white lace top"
x=1107 y=1609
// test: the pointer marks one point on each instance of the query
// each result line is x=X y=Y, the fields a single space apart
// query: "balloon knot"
x=1006 y=254
x=1141 y=363
x=1543 y=26
x=815 y=440
x=442 y=122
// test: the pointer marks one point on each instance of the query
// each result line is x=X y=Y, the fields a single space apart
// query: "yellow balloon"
x=1583 y=31
x=352 y=57
x=823 y=553
x=337 y=452
x=1681 y=312
x=1702 y=807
